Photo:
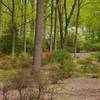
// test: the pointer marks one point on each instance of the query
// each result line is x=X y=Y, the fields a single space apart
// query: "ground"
x=78 y=89
x=68 y=89
x=71 y=89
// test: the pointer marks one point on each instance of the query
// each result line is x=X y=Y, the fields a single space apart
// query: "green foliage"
x=64 y=68
x=23 y=56
x=6 y=44
x=89 y=65
x=5 y=74
x=61 y=56
x=24 y=60
x=22 y=79
x=96 y=56
x=59 y=72
x=69 y=68
x=90 y=46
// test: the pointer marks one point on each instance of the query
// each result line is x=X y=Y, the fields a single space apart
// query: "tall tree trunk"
x=51 y=28
x=22 y=17
x=66 y=25
x=67 y=20
x=0 y=17
x=13 y=28
x=77 y=25
x=55 y=29
x=24 y=27
x=38 y=34
x=32 y=25
x=60 y=12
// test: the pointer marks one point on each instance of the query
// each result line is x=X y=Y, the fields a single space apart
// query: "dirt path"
x=78 y=89
x=71 y=89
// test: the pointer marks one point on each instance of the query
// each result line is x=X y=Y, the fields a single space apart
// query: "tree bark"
x=13 y=28
x=77 y=25
x=55 y=29
x=51 y=28
x=22 y=16
x=60 y=12
x=24 y=27
x=38 y=34
x=0 y=17
x=66 y=25
x=67 y=20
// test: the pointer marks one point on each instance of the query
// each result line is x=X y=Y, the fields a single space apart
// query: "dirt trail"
x=78 y=89
x=70 y=89
x=82 y=55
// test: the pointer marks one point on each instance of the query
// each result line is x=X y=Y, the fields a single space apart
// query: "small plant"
x=21 y=81
x=24 y=60
x=88 y=65
x=47 y=55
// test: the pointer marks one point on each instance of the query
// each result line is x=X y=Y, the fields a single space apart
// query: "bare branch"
x=6 y=6
x=72 y=10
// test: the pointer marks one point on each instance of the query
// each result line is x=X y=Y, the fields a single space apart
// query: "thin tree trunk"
x=51 y=28
x=32 y=25
x=22 y=14
x=77 y=25
x=60 y=12
x=13 y=29
x=20 y=93
x=66 y=25
x=55 y=29
x=38 y=34
x=67 y=20
x=0 y=17
x=24 y=27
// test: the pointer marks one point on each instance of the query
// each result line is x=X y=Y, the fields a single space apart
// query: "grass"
x=4 y=74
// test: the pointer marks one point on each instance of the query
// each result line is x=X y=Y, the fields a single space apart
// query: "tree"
x=24 y=26
x=51 y=28
x=13 y=28
x=0 y=17
x=67 y=20
x=61 y=22
x=38 y=33
x=77 y=25
x=55 y=28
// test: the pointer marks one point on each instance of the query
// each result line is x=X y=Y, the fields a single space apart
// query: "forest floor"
x=70 y=89
x=78 y=89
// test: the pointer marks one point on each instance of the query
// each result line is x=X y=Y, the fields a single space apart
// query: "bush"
x=96 y=56
x=6 y=44
x=58 y=72
x=24 y=60
x=88 y=65
x=60 y=57
x=6 y=63
x=62 y=65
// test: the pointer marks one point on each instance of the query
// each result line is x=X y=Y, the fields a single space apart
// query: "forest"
x=49 y=49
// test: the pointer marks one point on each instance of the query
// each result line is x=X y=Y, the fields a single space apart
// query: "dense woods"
x=59 y=38
x=62 y=20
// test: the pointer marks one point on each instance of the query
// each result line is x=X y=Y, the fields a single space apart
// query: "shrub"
x=6 y=63
x=59 y=72
x=61 y=65
x=61 y=56
x=24 y=60
x=47 y=55
x=88 y=65
x=96 y=56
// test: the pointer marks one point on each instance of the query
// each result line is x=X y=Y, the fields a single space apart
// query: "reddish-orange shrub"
x=47 y=55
